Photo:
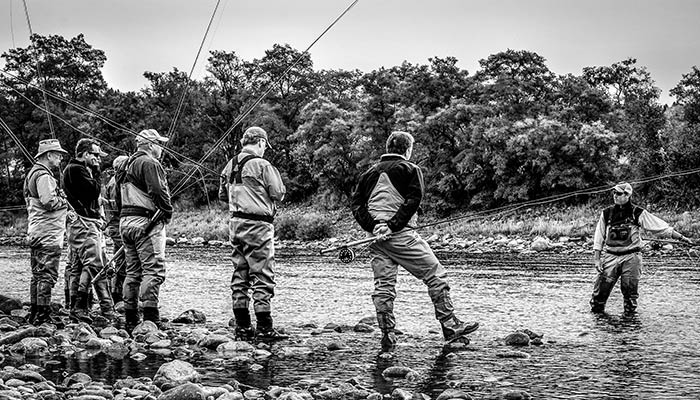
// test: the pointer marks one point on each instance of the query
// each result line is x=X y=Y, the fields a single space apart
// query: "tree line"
x=509 y=132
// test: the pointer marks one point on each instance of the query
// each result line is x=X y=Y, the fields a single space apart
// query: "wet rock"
x=161 y=344
x=453 y=394
x=214 y=392
x=77 y=377
x=176 y=372
x=396 y=372
x=191 y=317
x=82 y=333
x=97 y=343
x=28 y=376
x=144 y=328
x=31 y=346
x=96 y=392
x=186 y=391
x=213 y=341
x=235 y=348
x=6 y=321
x=331 y=326
x=231 y=396
x=108 y=332
x=512 y=354
x=401 y=394
x=363 y=328
x=290 y=351
x=517 y=395
x=532 y=334
x=517 y=339
x=540 y=244
x=116 y=350
x=253 y=394
x=138 y=356
x=330 y=394
x=336 y=345
x=18 y=335
x=9 y=304
x=50 y=395
x=10 y=394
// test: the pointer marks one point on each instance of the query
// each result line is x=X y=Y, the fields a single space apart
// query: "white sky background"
x=157 y=35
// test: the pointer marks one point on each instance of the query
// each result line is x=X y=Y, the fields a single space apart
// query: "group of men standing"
x=138 y=207
x=385 y=203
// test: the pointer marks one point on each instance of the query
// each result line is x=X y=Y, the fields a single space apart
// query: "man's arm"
x=48 y=193
x=598 y=238
x=273 y=181
x=223 y=181
x=157 y=187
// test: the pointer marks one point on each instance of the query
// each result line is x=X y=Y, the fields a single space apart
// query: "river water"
x=651 y=355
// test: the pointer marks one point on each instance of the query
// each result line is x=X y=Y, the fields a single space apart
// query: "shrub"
x=310 y=226
x=285 y=226
x=314 y=226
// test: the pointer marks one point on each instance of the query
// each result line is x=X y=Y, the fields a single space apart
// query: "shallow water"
x=653 y=354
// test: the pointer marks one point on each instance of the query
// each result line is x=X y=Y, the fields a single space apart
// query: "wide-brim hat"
x=49 y=145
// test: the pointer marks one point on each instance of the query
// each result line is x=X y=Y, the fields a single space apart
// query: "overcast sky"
x=150 y=35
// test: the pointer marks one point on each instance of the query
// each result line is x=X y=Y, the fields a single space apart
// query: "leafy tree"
x=517 y=83
x=687 y=94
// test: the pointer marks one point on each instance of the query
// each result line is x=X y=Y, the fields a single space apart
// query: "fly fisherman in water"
x=46 y=209
x=81 y=181
x=618 y=237
x=385 y=202
x=144 y=191
x=251 y=186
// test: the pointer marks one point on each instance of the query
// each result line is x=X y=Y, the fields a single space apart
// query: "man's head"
x=149 y=140
x=400 y=143
x=255 y=138
x=88 y=150
x=50 y=152
x=622 y=192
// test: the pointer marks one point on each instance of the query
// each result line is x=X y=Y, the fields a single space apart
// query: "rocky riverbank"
x=182 y=340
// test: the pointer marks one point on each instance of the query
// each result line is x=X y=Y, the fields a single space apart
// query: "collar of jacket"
x=392 y=156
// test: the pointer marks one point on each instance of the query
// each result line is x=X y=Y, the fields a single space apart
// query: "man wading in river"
x=617 y=236
x=81 y=181
x=385 y=202
x=251 y=186
x=144 y=191
x=46 y=209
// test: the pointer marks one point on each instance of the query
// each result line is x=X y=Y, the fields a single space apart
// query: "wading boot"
x=44 y=315
x=388 y=341
x=79 y=313
x=243 y=329
x=32 y=313
x=453 y=328
x=265 y=332
x=131 y=319
x=152 y=314
x=387 y=323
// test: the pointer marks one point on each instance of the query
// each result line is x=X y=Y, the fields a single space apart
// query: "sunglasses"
x=95 y=154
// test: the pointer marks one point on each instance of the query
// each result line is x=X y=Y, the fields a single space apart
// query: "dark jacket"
x=82 y=187
x=391 y=192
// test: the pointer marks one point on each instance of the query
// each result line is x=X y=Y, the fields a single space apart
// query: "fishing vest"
x=134 y=198
x=46 y=224
x=622 y=234
x=248 y=198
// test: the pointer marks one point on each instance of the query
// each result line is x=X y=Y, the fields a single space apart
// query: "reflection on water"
x=652 y=354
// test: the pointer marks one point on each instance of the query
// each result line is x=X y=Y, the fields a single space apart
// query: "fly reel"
x=346 y=255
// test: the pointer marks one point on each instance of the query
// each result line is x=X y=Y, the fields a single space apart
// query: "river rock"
x=176 y=372
x=396 y=372
x=214 y=391
x=82 y=333
x=32 y=346
x=50 y=395
x=108 y=332
x=517 y=395
x=144 y=328
x=191 y=317
x=10 y=394
x=186 y=391
x=232 y=349
x=363 y=328
x=540 y=244
x=517 y=339
x=28 y=376
x=512 y=354
x=401 y=394
x=231 y=396
x=453 y=394
x=213 y=341
x=369 y=320
x=253 y=394
x=8 y=304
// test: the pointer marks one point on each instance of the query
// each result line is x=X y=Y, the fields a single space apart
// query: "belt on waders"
x=624 y=252
x=253 y=217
